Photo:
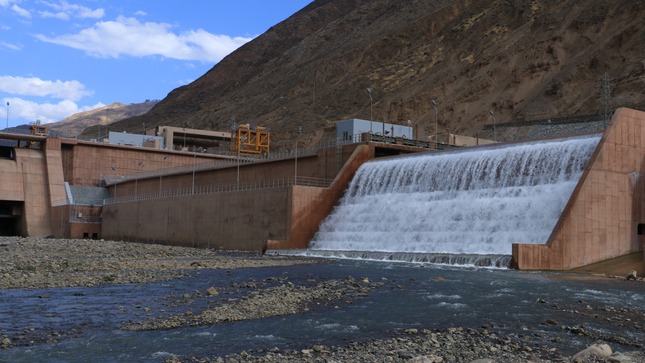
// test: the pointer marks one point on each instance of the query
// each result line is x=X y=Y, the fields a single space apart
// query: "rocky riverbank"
x=427 y=346
x=47 y=263
x=30 y=263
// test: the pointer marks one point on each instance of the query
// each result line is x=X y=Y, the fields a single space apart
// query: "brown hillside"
x=97 y=119
x=521 y=59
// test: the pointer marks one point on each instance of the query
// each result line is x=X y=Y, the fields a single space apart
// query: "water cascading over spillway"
x=473 y=202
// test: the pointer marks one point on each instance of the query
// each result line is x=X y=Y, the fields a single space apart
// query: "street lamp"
x=136 y=181
x=7 y=114
x=494 y=122
x=193 y=190
x=161 y=175
x=295 y=174
x=115 y=179
x=369 y=92
x=436 y=123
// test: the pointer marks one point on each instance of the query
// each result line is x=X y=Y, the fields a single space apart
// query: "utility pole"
x=436 y=123
x=369 y=92
x=606 y=99
x=494 y=125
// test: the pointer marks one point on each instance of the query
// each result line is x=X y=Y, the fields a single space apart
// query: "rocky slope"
x=97 y=119
x=520 y=59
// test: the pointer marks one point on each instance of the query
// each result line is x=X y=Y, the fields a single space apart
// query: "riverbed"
x=345 y=311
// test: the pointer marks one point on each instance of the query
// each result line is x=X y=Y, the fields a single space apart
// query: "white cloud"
x=128 y=36
x=20 y=11
x=5 y=3
x=20 y=109
x=10 y=46
x=34 y=86
x=64 y=10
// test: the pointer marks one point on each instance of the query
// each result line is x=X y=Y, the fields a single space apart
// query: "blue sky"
x=60 y=57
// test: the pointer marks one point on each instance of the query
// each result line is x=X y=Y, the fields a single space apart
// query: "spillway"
x=472 y=202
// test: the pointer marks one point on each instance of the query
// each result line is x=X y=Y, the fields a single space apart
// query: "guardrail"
x=233 y=160
x=224 y=188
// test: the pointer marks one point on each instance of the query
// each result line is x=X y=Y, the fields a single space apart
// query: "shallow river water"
x=86 y=322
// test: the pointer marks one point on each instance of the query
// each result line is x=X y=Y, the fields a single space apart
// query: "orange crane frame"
x=251 y=141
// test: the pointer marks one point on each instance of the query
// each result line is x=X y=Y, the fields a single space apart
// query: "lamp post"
x=161 y=175
x=238 y=161
x=369 y=92
x=7 y=114
x=115 y=179
x=494 y=122
x=136 y=181
x=193 y=189
x=436 y=123
x=295 y=175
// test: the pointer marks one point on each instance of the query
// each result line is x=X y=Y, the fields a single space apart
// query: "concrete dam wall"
x=551 y=205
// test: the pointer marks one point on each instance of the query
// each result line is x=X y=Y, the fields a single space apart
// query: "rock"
x=404 y=354
x=596 y=350
x=426 y=359
x=620 y=358
x=211 y=291
x=578 y=330
x=631 y=275
x=483 y=360
x=5 y=343
x=411 y=331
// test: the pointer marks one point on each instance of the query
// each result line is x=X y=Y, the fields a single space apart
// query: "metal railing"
x=225 y=188
x=232 y=160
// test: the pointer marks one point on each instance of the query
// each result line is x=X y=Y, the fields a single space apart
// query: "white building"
x=347 y=130
x=122 y=138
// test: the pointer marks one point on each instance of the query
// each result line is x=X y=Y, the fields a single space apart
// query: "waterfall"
x=476 y=201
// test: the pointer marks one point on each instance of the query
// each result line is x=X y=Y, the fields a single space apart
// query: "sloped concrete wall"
x=33 y=174
x=243 y=220
x=601 y=219
x=11 y=181
x=308 y=207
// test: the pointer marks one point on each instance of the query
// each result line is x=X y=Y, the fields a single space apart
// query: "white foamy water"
x=477 y=201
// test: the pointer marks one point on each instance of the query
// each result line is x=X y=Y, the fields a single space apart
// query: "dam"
x=474 y=201
x=557 y=204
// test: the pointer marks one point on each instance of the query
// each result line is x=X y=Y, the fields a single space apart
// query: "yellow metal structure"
x=251 y=141
x=38 y=130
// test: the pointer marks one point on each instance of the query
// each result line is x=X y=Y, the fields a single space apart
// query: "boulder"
x=620 y=358
x=631 y=275
x=5 y=343
x=211 y=291
x=595 y=350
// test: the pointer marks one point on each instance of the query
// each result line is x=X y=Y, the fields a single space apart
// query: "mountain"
x=482 y=61
x=95 y=121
